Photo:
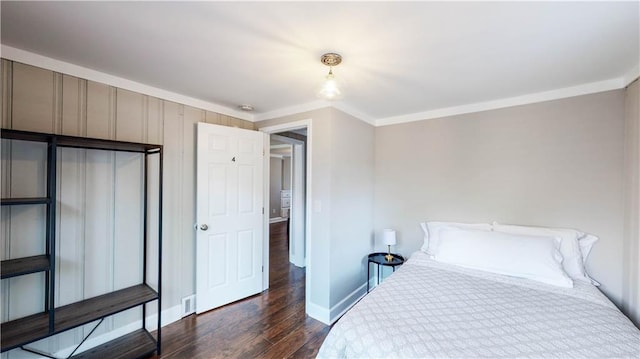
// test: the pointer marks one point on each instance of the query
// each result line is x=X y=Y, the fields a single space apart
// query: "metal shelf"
x=34 y=327
x=19 y=332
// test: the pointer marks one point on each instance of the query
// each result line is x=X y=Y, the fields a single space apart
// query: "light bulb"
x=330 y=89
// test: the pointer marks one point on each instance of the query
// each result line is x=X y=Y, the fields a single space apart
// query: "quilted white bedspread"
x=428 y=309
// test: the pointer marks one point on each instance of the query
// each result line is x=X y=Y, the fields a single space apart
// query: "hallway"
x=271 y=324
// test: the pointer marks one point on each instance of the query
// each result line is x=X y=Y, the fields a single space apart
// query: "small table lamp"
x=389 y=238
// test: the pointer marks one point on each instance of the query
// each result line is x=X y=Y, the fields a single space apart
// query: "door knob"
x=204 y=227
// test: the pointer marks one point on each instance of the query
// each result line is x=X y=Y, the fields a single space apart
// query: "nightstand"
x=380 y=260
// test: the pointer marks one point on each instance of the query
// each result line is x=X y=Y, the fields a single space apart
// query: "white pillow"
x=532 y=257
x=574 y=247
x=432 y=232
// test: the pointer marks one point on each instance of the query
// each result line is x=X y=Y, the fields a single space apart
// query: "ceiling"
x=401 y=60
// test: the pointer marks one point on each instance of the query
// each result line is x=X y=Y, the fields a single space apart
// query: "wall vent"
x=188 y=305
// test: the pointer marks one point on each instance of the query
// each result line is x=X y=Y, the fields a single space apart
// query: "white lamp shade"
x=389 y=237
x=331 y=89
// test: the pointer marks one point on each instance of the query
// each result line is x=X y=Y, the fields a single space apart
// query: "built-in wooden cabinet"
x=55 y=319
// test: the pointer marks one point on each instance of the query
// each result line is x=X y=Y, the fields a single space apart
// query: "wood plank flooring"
x=271 y=324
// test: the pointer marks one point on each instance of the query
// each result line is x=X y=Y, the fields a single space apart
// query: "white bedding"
x=428 y=309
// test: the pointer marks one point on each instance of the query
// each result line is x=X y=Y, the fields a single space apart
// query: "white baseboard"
x=329 y=316
x=349 y=301
x=277 y=219
x=318 y=312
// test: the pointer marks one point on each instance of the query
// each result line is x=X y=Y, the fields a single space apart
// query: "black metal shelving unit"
x=53 y=320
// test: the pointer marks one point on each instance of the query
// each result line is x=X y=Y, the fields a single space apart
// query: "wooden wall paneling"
x=223 y=120
x=69 y=242
x=128 y=229
x=155 y=133
x=57 y=102
x=33 y=99
x=130 y=109
x=99 y=229
x=74 y=106
x=70 y=235
x=6 y=81
x=212 y=118
x=5 y=224
x=100 y=111
x=27 y=225
x=188 y=189
x=236 y=122
x=153 y=120
x=152 y=234
x=248 y=125
x=172 y=203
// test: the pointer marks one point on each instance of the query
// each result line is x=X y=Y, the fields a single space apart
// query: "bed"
x=431 y=309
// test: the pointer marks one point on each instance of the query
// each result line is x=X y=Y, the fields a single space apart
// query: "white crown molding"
x=30 y=58
x=355 y=113
x=311 y=106
x=34 y=59
x=566 y=92
x=632 y=75
x=291 y=110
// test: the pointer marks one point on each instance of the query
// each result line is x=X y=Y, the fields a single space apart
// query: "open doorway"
x=280 y=176
x=297 y=137
x=287 y=181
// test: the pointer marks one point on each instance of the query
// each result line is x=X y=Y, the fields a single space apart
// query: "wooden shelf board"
x=34 y=327
x=137 y=344
x=18 y=201
x=79 y=142
x=20 y=266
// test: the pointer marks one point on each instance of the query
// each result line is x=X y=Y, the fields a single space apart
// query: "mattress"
x=428 y=309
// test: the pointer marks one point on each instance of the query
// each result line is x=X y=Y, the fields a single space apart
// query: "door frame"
x=298 y=201
x=268 y=130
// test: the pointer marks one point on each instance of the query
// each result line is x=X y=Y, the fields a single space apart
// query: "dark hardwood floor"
x=271 y=324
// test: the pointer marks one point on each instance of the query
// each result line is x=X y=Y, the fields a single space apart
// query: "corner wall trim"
x=318 y=312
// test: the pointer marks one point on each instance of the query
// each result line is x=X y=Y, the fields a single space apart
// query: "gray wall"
x=320 y=147
x=286 y=172
x=352 y=181
x=631 y=302
x=94 y=257
x=275 y=186
x=342 y=205
x=556 y=163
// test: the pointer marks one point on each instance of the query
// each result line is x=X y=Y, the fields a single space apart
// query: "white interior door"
x=229 y=204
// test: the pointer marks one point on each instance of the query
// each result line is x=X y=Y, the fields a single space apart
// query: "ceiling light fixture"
x=331 y=89
x=246 y=107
